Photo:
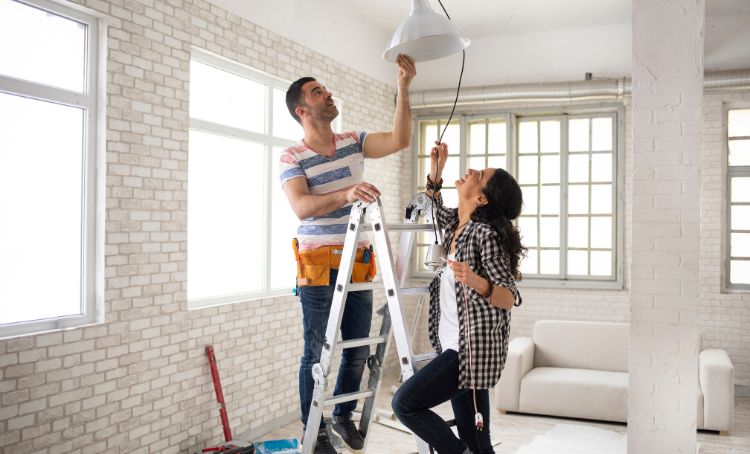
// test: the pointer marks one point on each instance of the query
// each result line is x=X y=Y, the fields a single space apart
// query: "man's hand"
x=362 y=191
x=438 y=156
x=407 y=69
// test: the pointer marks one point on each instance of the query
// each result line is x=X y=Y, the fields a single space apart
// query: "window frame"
x=513 y=116
x=731 y=171
x=269 y=142
x=92 y=101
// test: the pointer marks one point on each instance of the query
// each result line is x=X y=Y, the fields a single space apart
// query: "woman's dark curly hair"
x=504 y=200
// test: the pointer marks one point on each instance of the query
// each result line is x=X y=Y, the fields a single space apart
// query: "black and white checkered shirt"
x=479 y=246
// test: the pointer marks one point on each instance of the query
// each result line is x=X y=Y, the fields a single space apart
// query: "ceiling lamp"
x=425 y=35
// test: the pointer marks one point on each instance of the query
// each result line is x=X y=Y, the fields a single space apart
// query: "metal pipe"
x=608 y=90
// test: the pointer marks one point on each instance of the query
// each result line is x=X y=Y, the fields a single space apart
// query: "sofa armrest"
x=716 y=378
x=519 y=362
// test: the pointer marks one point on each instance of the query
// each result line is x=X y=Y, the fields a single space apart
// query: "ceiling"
x=513 y=41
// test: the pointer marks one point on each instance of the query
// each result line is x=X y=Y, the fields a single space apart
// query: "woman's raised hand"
x=438 y=156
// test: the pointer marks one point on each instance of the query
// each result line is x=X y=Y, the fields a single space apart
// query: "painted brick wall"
x=139 y=383
x=667 y=106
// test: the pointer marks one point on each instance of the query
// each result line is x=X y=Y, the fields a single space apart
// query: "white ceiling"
x=513 y=41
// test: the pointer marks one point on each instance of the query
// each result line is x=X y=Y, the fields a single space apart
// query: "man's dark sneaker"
x=323 y=444
x=348 y=430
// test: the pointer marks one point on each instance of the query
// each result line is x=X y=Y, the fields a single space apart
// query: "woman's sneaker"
x=345 y=427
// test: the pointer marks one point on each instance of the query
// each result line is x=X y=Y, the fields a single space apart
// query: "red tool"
x=219 y=393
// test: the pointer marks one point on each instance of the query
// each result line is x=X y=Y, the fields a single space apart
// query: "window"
x=566 y=167
x=48 y=184
x=738 y=199
x=240 y=224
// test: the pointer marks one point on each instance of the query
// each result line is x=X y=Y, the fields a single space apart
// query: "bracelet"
x=489 y=291
x=434 y=187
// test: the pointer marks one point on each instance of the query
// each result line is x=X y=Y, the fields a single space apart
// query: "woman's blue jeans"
x=432 y=385
x=316 y=305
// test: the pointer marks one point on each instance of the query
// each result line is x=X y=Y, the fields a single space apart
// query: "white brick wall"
x=667 y=100
x=139 y=383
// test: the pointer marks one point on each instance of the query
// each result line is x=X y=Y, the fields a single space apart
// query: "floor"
x=512 y=431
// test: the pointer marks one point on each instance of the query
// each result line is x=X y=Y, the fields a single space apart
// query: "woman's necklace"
x=456 y=233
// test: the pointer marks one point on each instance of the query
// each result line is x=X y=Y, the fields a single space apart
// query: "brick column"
x=667 y=101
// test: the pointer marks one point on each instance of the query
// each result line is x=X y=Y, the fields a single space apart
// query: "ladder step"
x=348 y=397
x=425 y=357
x=364 y=286
x=415 y=290
x=405 y=227
x=361 y=342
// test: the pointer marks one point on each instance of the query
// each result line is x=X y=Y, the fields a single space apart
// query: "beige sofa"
x=580 y=370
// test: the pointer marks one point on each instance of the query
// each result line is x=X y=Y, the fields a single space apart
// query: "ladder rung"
x=364 y=286
x=424 y=357
x=415 y=290
x=405 y=227
x=348 y=397
x=361 y=342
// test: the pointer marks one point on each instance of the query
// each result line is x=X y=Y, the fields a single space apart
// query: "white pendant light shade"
x=426 y=35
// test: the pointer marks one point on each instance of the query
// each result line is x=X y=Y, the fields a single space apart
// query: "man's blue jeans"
x=316 y=305
x=432 y=385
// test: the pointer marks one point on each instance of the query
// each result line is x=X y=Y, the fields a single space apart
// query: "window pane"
x=529 y=264
x=477 y=138
x=225 y=255
x=497 y=141
x=601 y=199
x=549 y=262
x=549 y=232
x=527 y=137
x=451 y=170
x=527 y=170
x=424 y=169
x=601 y=263
x=452 y=137
x=740 y=245
x=578 y=168
x=739 y=123
x=527 y=226
x=226 y=98
x=284 y=224
x=550 y=136
x=42 y=47
x=497 y=162
x=739 y=271
x=601 y=134
x=578 y=263
x=283 y=124
x=740 y=217
x=739 y=152
x=550 y=171
x=450 y=197
x=578 y=134
x=578 y=232
x=41 y=186
x=477 y=162
x=550 y=203
x=601 y=167
x=430 y=135
x=530 y=203
x=578 y=199
x=741 y=189
x=601 y=232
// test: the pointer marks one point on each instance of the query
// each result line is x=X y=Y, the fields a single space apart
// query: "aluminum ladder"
x=393 y=277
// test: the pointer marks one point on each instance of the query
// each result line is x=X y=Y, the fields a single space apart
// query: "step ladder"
x=393 y=277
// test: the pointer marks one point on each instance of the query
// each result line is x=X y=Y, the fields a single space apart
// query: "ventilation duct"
x=563 y=92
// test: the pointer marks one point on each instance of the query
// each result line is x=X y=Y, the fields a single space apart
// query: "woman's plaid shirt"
x=479 y=246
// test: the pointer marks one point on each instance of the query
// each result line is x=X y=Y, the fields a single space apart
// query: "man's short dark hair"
x=294 y=96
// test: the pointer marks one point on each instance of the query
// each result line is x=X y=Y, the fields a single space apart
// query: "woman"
x=470 y=302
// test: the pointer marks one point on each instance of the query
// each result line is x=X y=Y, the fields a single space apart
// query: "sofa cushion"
x=581 y=345
x=575 y=393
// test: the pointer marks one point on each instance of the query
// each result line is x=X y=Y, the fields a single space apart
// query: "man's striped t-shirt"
x=325 y=175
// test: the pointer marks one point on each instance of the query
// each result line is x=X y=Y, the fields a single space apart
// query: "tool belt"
x=314 y=266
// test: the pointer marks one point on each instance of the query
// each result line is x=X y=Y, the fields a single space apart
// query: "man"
x=322 y=178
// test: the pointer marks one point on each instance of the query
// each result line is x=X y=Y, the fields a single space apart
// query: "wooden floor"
x=515 y=430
